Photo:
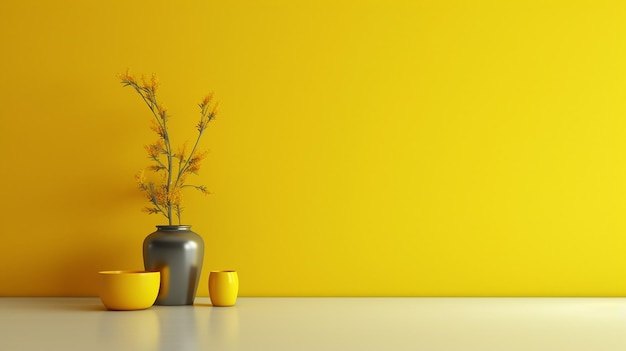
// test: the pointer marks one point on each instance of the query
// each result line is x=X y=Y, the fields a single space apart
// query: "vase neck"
x=173 y=228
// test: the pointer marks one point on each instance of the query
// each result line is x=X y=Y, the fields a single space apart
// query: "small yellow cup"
x=129 y=290
x=223 y=288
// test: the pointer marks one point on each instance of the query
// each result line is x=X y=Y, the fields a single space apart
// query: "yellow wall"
x=363 y=147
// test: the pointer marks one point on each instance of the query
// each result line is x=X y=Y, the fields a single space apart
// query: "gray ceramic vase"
x=177 y=253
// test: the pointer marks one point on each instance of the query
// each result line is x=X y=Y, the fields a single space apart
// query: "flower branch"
x=165 y=196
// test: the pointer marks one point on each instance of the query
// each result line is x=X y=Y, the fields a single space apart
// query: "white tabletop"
x=590 y=324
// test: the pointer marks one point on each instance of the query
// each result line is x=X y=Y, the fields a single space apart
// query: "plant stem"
x=162 y=120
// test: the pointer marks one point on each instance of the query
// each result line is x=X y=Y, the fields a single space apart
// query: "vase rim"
x=174 y=226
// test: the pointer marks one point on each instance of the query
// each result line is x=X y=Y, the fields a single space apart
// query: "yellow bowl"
x=129 y=290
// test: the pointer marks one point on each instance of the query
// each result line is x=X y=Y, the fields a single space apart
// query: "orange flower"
x=194 y=162
x=154 y=83
x=144 y=81
x=160 y=195
x=154 y=150
x=207 y=99
x=214 y=110
x=174 y=196
x=162 y=111
x=126 y=77
x=140 y=177
x=182 y=152
x=156 y=127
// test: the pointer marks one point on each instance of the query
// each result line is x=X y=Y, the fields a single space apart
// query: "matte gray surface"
x=320 y=324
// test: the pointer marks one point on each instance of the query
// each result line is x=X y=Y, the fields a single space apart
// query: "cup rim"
x=224 y=271
x=130 y=272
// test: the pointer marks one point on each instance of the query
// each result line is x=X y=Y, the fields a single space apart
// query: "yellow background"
x=408 y=148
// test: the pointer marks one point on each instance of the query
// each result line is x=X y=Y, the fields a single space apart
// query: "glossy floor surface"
x=319 y=324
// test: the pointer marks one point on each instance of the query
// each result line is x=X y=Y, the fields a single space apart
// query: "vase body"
x=177 y=253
